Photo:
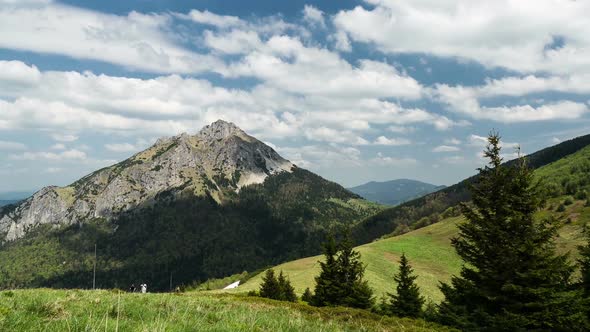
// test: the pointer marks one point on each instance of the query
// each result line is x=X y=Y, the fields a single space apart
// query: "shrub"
x=568 y=201
x=307 y=295
x=560 y=208
x=581 y=195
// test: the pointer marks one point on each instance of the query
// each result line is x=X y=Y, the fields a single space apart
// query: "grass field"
x=78 y=310
x=429 y=251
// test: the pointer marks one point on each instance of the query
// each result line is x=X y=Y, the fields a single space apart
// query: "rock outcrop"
x=219 y=159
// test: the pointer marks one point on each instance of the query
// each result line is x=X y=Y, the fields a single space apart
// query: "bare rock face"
x=219 y=158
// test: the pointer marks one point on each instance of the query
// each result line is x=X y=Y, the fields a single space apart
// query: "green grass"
x=429 y=251
x=77 y=310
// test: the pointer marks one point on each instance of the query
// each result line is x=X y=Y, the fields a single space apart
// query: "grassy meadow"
x=102 y=310
x=429 y=251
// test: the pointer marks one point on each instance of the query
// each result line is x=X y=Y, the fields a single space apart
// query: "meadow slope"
x=78 y=310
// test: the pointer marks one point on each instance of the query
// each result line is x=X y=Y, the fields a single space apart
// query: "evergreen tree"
x=407 y=301
x=270 y=287
x=307 y=295
x=512 y=280
x=354 y=291
x=327 y=290
x=341 y=278
x=286 y=291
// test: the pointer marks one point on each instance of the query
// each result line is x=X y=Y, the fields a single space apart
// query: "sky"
x=355 y=91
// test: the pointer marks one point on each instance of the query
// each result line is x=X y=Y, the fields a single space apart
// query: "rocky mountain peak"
x=218 y=160
x=220 y=129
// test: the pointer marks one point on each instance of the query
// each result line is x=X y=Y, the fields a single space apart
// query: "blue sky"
x=352 y=90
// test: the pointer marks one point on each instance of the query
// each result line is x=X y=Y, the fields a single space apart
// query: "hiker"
x=143 y=288
x=132 y=288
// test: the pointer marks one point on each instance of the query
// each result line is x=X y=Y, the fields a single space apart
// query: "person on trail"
x=143 y=288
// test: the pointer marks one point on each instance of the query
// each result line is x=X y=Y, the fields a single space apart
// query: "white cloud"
x=454 y=160
x=555 y=140
x=464 y=100
x=136 y=40
x=207 y=17
x=446 y=148
x=64 y=138
x=452 y=141
x=58 y=146
x=285 y=63
x=325 y=134
x=381 y=160
x=401 y=129
x=65 y=155
x=491 y=33
x=52 y=170
x=313 y=16
x=7 y=145
x=233 y=42
x=382 y=140
x=322 y=157
x=127 y=147
x=341 y=41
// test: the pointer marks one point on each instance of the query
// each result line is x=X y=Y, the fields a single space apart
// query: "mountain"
x=190 y=207
x=429 y=249
x=432 y=207
x=394 y=192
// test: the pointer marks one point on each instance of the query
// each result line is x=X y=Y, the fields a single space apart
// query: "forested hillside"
x=433 y=207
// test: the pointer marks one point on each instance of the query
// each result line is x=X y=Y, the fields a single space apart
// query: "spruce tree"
x=286 y=291
x=327 y=290
x=354 y=291
x=340 y=282
x=407 y=301
x=512 y=280
x=270 y=287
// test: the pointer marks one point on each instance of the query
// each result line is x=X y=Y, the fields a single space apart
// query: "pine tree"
x=286 y=291
x=407 y=301
x=270 y=287
x=512 y=280
x=327 y=290
x=307 y=295
x=340 y=282
x=355 y=292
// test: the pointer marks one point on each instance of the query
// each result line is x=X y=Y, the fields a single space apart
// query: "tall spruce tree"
x=354 y=291
x=407 y=301
x=512 y=280
x=340 y=282
x=327 y=290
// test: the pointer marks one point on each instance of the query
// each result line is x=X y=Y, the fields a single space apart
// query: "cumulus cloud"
x=382 y=140
x=490 y=33
x=207 y=17
x=140 y=41
x=313 y=16
x=465 y=100
x=382 y=160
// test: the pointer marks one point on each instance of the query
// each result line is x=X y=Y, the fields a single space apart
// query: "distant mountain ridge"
x=394 y=192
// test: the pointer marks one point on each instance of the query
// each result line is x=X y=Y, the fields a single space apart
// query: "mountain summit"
x=218 y=160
